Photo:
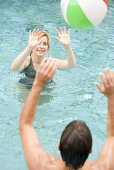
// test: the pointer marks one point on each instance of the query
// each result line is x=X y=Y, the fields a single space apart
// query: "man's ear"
x=59 y=147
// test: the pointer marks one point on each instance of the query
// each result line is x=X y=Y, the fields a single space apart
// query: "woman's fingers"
x=61 y=30
x=64 y=30
x=69 y=31
x=30 y=32
x=59 y=34
x=58 y=39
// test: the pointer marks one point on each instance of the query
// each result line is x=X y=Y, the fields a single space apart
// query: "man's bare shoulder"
x=100 y=164
x=89 y=165
x=50 y=162
x=105 y=160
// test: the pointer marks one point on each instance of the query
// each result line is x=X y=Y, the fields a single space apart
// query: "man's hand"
x=107 y=80
x=64 y=36
x=46 y=71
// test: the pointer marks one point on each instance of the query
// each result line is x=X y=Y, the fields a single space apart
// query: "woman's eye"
x=45 y=43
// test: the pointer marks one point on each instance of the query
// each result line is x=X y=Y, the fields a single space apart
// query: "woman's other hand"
x=64 y=36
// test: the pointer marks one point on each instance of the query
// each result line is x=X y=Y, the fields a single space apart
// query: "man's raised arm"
x=29 y=138
x=108 y=89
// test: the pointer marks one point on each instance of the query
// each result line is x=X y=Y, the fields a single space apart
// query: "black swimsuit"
x=29 y=70
x=30 y=74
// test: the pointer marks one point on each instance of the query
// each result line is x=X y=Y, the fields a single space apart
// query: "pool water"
x=73 y=94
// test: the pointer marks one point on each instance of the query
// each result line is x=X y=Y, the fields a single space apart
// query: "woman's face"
x=42 y=48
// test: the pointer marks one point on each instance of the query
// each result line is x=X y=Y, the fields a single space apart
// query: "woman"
x=29 y=60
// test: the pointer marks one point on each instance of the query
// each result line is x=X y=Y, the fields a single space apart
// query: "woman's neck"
x=36 y=59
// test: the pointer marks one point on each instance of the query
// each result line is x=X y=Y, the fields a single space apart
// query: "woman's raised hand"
x=64 y=36
x=33 y=39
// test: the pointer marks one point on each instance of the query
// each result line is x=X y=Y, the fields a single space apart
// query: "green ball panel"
x=76 y=17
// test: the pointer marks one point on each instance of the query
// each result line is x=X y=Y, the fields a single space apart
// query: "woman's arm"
x=64 y=38
x=20 y=61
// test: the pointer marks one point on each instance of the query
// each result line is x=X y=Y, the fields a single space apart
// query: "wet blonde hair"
x=41 y=33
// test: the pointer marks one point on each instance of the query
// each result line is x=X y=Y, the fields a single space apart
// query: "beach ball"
x=83 y=13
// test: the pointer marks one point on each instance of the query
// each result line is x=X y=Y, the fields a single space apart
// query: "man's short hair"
x=75 y=144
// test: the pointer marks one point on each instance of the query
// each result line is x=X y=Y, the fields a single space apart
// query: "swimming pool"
x=72 y=96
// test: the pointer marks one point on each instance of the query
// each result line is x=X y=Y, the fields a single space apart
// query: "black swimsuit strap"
x=31 y=63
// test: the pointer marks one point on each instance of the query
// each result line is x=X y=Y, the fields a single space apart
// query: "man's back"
x=104 y=162
x=76 y=140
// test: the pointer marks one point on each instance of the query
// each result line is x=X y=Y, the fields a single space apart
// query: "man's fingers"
x=48 y=68
x=100 y=88
x=107 y=80
x=42 y=63
x=47 y=64
x=52 y=71
x=103 y=80
x=51 y=65
x=109 y=76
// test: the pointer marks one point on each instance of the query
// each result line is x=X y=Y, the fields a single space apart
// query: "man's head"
x=75 y=144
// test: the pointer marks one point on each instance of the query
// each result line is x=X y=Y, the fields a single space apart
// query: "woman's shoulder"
x=28 y=59
x=25 y=63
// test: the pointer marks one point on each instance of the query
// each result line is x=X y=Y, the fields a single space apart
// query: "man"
x=76 y=140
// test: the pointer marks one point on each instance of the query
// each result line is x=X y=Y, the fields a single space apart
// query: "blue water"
x=72 y=96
